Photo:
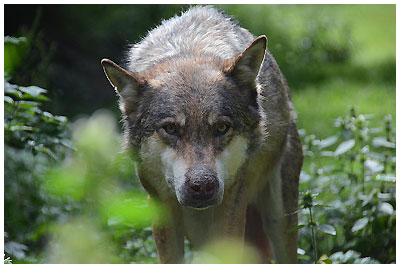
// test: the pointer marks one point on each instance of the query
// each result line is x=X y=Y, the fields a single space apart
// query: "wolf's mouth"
x=199 y=205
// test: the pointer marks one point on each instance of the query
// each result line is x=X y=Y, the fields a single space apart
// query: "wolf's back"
x=200 y=31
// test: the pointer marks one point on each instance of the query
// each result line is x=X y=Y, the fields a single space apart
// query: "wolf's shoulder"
x=201 y=30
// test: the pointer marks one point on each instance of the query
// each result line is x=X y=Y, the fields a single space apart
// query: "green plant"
x=34 y=140
x=356 y=179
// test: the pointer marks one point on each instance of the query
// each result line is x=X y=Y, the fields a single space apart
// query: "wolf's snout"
x=201 y=186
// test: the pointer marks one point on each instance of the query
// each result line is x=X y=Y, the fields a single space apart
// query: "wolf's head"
x=192 y=121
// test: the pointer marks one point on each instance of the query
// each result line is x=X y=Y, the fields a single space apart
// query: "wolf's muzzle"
x=201 y=186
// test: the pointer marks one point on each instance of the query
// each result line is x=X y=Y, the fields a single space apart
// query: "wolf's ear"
x=245 y=67
x=125 y=83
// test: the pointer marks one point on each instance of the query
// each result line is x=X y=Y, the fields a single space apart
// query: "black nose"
x=201 y=190
x=201 y=183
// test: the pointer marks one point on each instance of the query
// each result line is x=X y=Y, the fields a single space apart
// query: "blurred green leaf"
x=46 y=150
x=382 y=142
x=18 y=127
x=373 y=166
x=326 y=228
x=33 y=91
x=386 y=177
x=132 y=210
x=67 y=181
x=8 y=99
x=359 y=224
x=327 y=142
x=15 y=49
x=293 y=229
x=344 y=147
x=15 y=249
x=385 y=208
x=28 y=104
x=324 y=259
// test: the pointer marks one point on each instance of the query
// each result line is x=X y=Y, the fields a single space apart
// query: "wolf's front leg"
x=168 y=234
x=277 y=221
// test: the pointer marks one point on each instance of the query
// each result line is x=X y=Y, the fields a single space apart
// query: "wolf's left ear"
x=245 y=67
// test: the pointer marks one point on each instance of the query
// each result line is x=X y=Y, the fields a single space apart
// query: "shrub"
x=354 y=188
x=34 y=140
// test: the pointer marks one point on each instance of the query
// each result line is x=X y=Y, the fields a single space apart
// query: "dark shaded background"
x=75 y=38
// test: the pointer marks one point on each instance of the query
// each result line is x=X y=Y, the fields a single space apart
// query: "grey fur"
x=218 y=35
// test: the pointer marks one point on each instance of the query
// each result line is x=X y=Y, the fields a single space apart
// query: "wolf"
x=208 y=115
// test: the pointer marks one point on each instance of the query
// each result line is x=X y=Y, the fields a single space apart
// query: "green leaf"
x=324 y=259
x=294 y=229
x=382 y=142
x=386 y=177
x=326 y=228
x=344 y=147
x=300 y=251
x=14 y=128
x=61 y=119
x=46 y=150
x=50 y=118
x=15 y=249
x=337 y=257
x=68 y=144
x=327 y=142
x=373 y=166
x=366 y=260
x=10 y=89
x=8 y=99
x=34 y=92
x=351 y=255
x=27 y=104
x=14 y=40
x=67 y=181
x=384 y=196
x=131 y=210
x=15 y=49
x=359 y=224
x=385 y=208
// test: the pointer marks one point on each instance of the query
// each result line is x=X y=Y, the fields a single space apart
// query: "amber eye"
x=222 y=128
x=170 y=128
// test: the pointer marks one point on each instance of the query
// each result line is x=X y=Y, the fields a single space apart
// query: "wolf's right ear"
x=245 y=67
x=125 y=83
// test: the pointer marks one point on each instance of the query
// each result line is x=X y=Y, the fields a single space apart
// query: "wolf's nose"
x=201 y=183
x=202 y=190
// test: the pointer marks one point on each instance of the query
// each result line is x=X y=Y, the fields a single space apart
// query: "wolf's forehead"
x=189 y=107
x=187 y=95
x=182 y=72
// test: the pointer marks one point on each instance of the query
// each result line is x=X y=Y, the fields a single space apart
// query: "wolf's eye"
x=222 y=128
x=170 y=128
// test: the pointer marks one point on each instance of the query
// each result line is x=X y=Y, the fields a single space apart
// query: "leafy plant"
x=356 y=180
x=34 y=140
